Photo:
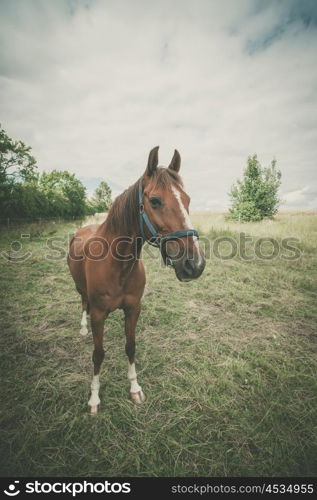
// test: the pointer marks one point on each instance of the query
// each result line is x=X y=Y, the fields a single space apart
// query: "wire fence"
x=17 y=221
x=20 y=221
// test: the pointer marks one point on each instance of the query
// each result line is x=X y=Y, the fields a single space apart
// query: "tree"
x=256 y=196
x=101 y=200
x=17 y=168
x=16 y=162
x=24 y=193
x=66 y=194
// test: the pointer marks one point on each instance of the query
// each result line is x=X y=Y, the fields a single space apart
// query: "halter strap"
x=158 y=239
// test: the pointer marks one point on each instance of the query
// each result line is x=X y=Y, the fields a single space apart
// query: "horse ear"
x=176 y=161
x=152 y=161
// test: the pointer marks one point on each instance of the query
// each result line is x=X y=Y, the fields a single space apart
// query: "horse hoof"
x=84 y=331
x=137 y=397
x=93 y=410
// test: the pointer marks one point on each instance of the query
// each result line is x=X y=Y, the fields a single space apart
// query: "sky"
x=93 y=85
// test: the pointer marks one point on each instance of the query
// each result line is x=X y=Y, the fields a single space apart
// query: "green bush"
x=101 y=200
x=24 y=193
x=256 y=196
x=66 y=194
x=246 y=211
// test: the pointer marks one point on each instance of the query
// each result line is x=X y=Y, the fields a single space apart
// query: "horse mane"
x=123 y=216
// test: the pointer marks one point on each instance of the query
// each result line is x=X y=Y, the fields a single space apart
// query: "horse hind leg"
x=85 y=315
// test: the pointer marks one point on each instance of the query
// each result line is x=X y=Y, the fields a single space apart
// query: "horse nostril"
x=189 y=267
x=192 y=268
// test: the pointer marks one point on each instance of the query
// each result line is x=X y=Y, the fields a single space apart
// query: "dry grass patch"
x=228 y=365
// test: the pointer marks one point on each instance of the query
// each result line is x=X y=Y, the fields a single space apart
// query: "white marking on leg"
x=84 y=324
x=187 y=222
x=84 y=319
x=94 y=398
x=133 y=378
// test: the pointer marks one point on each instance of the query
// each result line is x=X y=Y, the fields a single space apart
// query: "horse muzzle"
x=186 y=268
x=190 y=268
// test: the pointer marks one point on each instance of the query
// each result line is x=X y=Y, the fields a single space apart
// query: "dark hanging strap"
x=144 y=219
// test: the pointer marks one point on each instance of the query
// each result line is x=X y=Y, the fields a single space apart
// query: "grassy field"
x=227 y=363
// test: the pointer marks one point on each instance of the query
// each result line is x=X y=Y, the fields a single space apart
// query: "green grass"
x=227 y=364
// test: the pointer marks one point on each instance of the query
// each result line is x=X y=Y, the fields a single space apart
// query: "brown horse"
x=105 y=260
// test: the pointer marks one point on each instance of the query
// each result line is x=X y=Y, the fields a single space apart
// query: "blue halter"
x=158 y=239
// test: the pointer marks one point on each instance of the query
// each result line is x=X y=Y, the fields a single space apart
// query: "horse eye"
x=156 y=202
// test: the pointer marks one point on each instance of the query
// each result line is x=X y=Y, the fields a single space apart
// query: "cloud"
x=305 y=196
x=93 y=85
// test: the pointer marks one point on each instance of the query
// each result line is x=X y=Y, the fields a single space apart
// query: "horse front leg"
x=131 y=317
x=97 y=326
x=85 y=315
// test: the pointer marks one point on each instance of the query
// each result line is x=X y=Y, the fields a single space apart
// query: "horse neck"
x=129 y=240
